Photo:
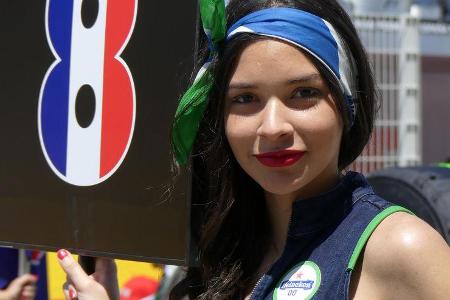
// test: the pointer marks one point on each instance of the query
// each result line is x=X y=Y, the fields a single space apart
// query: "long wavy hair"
x=233 y=234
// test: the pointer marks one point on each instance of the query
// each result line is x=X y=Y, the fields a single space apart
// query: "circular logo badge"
x=301 y=282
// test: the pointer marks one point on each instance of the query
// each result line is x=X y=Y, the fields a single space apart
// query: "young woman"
x=287 y=102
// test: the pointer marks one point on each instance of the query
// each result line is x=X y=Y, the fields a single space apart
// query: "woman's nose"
x=274 y=122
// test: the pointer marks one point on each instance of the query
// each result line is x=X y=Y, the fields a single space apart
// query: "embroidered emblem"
x=300 y=283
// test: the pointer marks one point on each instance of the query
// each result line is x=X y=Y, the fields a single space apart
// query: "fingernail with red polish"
x=62 y=254
x=72 y=294
x=36 y=277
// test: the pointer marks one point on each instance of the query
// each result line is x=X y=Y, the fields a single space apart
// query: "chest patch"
x=299 y=283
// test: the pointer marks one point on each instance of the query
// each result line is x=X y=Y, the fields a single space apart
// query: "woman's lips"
x=281 y=158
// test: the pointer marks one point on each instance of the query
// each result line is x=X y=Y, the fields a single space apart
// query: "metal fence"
x=393 y=46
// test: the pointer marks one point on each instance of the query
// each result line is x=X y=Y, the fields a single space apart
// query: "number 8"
x=87 y=65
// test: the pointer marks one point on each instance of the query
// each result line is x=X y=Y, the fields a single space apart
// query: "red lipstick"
x=282 y=158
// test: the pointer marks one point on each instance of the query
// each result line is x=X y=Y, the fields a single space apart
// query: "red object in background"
x=139 y=288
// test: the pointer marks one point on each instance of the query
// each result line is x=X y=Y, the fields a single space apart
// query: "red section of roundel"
x=118 y=96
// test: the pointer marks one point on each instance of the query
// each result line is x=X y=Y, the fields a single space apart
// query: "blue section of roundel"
x=297 y=26
x=55 y=99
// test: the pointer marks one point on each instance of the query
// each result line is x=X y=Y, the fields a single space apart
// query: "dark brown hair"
x=234 y=232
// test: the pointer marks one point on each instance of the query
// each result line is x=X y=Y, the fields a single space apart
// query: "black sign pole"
x=87 y=263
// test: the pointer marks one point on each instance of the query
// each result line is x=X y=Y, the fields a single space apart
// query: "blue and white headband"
x=302 y=29
x=310 y=33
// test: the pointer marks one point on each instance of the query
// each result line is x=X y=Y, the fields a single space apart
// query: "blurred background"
x=409 y=46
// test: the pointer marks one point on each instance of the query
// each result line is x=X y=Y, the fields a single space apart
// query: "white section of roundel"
x=86 y=67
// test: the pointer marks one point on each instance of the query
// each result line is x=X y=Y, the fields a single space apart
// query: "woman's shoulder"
x=405 y=258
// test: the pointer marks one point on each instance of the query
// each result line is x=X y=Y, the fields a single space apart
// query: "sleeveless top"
x=325 y=237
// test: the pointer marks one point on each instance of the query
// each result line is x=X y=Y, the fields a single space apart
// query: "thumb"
x=75 y=273
x=25 y=279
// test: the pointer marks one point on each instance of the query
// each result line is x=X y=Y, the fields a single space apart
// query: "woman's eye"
x=307 y=93
x=241 y=99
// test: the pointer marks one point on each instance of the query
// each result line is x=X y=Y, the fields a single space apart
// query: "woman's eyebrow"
x=301 y=79
x=306 y=78
x=241 y=85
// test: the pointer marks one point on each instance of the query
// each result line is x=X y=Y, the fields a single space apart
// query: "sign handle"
x=87 y=263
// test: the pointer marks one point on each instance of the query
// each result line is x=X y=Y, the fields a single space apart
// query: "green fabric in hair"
x=193 y=103
x=214 y=21
x=188 y=116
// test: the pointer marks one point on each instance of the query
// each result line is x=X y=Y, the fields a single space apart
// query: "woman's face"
x=281 y=121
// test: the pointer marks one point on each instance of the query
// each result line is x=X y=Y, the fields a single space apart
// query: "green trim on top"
x=444 y=165
x=369 y=230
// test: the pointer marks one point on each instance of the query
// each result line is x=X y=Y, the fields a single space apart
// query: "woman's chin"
x=282 y=186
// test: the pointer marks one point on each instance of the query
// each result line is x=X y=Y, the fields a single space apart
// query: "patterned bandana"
x=302 y=29
x=193 y=103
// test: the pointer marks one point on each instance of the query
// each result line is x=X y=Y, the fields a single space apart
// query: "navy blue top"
x=323 y=233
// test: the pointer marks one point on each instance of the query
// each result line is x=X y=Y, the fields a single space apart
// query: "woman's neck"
x=280 y=208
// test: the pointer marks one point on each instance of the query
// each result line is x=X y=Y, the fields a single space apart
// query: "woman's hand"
x=102 y=285
x=21 y=288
